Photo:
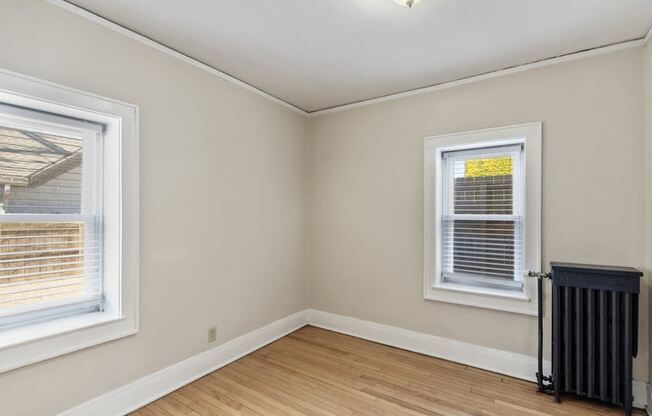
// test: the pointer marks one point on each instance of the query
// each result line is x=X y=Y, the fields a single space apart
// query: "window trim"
x=523 y=302
x=28 y=344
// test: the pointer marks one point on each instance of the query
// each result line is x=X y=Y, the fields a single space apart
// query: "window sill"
x=501 y=300
x=509 y=294
x=30 y=344
x=13 y=337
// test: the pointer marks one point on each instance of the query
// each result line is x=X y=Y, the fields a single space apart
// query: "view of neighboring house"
x=40 y=173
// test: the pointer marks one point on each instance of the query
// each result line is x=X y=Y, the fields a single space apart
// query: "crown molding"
x=81 y=12
x=489 y=75
x=64 y=4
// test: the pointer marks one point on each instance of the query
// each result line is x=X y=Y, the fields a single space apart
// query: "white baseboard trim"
x=503 y=362
x=639 y=391
x=156 y=385
x=136 y=394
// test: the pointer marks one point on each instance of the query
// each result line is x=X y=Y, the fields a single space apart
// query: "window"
x=482 y=223
x=50 y=217
x=68 y=220
x=482 y=216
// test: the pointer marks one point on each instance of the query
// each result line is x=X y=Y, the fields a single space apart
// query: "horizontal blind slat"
x=49 y=243
x=23 y=253
x=44 y=287
x=41 y=280
x=84 y=255
x=34 y=274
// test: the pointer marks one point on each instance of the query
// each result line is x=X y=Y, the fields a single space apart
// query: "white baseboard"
x=512 y=364
x=503 y=362
x=156 y=385
x=150 y=388
x=639 y=391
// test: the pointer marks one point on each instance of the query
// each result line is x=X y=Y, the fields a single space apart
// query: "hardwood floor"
x=318 y=372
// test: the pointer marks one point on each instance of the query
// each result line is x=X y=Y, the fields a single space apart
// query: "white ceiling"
x=317 y=54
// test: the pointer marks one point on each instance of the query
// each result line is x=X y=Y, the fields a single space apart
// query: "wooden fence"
x=40 y=262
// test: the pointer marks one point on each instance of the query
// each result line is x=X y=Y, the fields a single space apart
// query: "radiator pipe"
x=543 y=382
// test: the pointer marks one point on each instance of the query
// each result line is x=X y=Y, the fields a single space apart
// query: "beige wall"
x=223 y=202
x=366 y=197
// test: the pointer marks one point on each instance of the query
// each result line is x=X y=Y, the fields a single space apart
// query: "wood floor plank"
x=314 y=372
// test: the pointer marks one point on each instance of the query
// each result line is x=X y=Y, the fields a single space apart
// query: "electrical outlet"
x=212 y=334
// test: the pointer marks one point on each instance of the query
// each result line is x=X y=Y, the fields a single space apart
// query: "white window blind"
x=50 y=216
x=482 y=222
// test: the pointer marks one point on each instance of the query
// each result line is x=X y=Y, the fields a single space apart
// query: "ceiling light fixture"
x=408 y=3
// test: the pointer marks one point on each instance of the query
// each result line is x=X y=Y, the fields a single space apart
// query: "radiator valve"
x=539 y=275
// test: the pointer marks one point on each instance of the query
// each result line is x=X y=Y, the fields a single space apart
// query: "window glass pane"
x=483 y=185
x=50 y=219
x=481 y=231
x=40 y=262
x=487 y=248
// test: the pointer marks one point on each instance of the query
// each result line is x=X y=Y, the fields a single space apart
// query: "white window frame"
x=434 y=288
x=31 y=343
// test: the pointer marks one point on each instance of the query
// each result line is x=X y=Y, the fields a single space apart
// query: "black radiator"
x=594 y=332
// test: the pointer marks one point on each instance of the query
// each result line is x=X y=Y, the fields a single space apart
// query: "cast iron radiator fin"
x=594 y=331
